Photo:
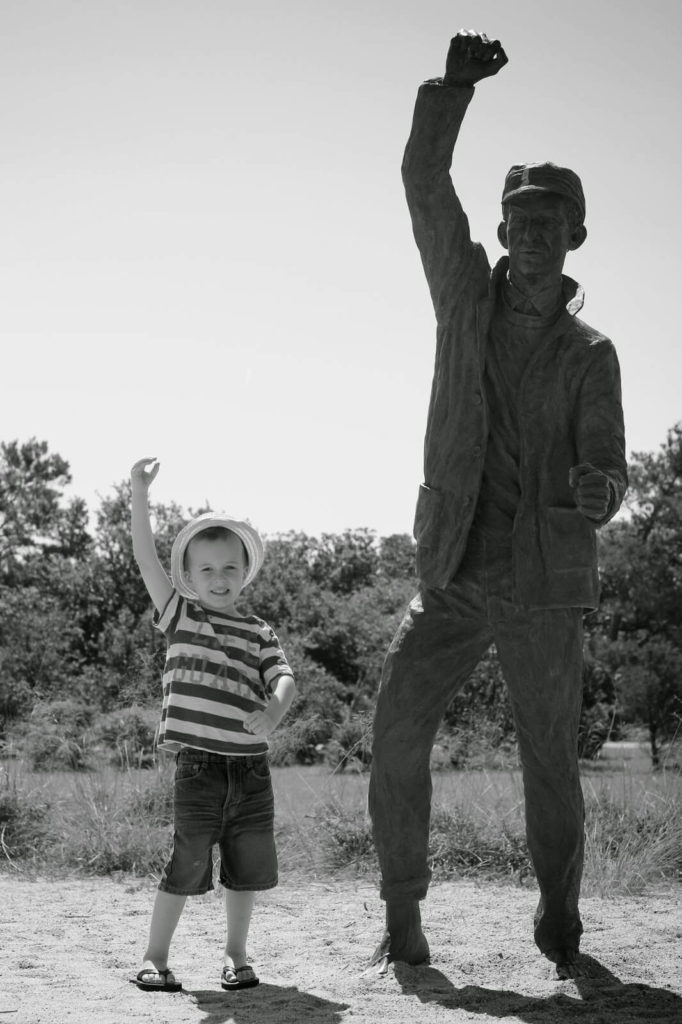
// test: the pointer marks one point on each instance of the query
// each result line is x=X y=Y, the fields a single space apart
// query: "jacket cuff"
x=441 y=82
x=614 y=503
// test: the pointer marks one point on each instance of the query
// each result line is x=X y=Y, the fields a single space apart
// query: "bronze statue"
x=524 y=458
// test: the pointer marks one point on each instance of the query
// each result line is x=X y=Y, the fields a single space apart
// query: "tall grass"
x=121 y=821
x=124 y=827
x=633 y=835
x=633 y=830
x=98 y=823
x=476 y=828
x=25 y=818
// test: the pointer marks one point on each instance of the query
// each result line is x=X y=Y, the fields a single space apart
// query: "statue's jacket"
x=570 y=409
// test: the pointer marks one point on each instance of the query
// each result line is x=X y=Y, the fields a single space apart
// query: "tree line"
x=77 y=641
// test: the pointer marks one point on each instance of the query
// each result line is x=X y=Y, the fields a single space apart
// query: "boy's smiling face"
x=215 y=570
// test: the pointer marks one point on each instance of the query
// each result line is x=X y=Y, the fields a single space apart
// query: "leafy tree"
x=39 y=650
x=655 y=495
x=483 y=698
x=642 y=555
x=315 y=713
x=397 y=557
x=649 y=680
x=599 y=718
x=345 y=562
x=641 y=613
x=353 y=634
x=75 y=618
x=284 y=592
x=34 y=518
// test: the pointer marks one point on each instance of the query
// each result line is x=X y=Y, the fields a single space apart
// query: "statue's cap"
x=524 y=179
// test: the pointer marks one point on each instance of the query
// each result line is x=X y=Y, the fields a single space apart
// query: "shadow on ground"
x=603 y=997
x=265 y=1002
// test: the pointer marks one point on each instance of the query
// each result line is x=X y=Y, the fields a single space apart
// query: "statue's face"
x=538 y=234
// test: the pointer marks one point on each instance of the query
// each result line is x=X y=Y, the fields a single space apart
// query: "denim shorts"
x=227 y=800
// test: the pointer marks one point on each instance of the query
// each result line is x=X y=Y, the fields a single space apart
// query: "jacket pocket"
x=428 y=516
x=571 y=540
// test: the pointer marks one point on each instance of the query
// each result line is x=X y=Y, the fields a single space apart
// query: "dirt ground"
x=69 y=946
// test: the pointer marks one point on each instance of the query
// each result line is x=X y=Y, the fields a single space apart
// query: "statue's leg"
x=438 y=643
x=541 y=657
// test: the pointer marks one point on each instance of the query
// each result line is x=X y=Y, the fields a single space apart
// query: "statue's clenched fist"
x=471 y=57
x=591 y=490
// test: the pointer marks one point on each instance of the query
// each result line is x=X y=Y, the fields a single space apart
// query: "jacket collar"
x=573 y=293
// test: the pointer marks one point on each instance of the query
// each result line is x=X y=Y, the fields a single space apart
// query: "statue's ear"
x=578 y=237
x=502 y=234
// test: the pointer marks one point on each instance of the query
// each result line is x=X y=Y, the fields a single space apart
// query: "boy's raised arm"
x=155 y=579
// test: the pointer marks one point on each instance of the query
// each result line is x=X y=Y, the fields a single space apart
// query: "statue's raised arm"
x=440 y=226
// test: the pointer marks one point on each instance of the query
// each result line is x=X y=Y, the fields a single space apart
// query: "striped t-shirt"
x=219 y=668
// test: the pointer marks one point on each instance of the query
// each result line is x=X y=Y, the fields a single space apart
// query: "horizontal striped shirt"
x=219 y=668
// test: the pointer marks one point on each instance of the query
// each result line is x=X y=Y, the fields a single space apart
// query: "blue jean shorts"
x=227 y=800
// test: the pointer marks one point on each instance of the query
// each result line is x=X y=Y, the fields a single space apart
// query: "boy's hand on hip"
x=140 y=476
x=591 y=490
x=259 y=723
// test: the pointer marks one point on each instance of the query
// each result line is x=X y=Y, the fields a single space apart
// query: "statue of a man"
x=524 y=458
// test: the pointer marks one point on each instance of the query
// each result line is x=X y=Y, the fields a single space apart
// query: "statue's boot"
x=567 y=962
x=403 y=938
x=558 y=937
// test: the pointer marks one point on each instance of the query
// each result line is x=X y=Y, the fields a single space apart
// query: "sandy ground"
x=69 y=946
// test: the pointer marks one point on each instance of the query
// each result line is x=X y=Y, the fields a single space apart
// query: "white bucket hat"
x=246 y=533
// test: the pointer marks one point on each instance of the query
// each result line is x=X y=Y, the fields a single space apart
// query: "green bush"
x=351 y=743
x=486 y=745
x=55 y=735
x=47 y=749
x=596 y=724
x=301 y=741
x=127 y=736
x=72 y=717
x=460 y=844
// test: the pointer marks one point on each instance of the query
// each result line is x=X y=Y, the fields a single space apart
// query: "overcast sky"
x=206 y=254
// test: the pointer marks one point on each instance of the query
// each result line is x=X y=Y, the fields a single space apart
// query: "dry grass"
x=633 y=827
x=633 y=838
x=107 y=821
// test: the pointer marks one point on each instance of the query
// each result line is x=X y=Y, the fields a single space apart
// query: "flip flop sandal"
x=238 y=977
x=150 y=986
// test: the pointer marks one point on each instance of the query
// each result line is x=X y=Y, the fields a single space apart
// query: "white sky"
x=206 y=254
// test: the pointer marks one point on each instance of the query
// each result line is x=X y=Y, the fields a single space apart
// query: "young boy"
x=226 y=686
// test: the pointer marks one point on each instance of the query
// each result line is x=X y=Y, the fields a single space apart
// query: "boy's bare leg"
x=166 y=913
x=238 y=907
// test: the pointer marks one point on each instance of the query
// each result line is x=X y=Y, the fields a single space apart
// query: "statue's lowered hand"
x=471 y=57
x=591 y=490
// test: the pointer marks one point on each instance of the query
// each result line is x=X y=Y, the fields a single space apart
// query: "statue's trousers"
x=441 y=639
